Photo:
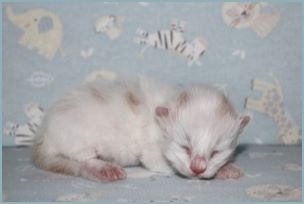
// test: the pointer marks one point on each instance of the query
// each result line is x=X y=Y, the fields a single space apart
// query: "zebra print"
x=166 y=40
x=173 y=40
x=24 y=133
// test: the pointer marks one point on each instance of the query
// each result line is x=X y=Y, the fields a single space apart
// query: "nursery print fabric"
x=250 y=50
x=42 y=30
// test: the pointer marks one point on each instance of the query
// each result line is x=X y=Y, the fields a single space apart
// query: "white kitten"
x=101 y=126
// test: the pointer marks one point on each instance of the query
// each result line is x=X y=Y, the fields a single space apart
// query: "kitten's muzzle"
x=198 y=165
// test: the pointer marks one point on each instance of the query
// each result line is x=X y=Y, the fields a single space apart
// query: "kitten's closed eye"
x=187 y=149
x=214 y=153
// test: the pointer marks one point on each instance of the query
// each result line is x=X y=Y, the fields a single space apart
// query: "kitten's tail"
x=53 y=162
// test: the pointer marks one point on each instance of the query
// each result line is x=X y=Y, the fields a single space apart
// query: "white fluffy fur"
x=94 y=127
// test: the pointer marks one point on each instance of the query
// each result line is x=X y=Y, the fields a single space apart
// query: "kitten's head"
x=201 y=130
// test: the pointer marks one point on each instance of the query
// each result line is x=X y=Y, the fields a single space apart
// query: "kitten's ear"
x=244 y=119
x=161 y=111
x=183 y=98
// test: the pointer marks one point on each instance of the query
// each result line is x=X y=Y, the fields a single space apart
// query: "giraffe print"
x=272 y=104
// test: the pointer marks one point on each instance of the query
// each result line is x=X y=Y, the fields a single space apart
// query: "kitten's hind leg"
x=94 y=167
x=86 y=164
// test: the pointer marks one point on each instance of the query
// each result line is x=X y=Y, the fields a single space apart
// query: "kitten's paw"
x=112 y=173
x=229 y=171
x=106 y=173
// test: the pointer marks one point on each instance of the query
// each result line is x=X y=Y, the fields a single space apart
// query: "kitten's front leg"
x=155 y=161
x=229 y=171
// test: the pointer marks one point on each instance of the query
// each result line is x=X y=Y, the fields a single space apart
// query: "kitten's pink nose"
x=198 y=165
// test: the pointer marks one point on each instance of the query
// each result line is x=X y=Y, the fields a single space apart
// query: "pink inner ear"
x=244 y=121
x=162 y=111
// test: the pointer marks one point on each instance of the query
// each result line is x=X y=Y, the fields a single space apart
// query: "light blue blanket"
x=271 y=173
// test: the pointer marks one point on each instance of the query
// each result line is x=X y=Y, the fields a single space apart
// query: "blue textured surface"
x=262 y=165
x=279 y=53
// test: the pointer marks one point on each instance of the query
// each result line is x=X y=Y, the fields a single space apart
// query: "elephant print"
x=42 y=30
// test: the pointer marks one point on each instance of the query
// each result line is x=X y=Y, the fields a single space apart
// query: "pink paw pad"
x=112 y=173
x=229 y=171
x=106 y=173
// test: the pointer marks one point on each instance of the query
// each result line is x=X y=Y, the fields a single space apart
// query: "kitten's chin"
x=202 y=176
x=187 y=173
x=184 y=173
x=191 y=175
x=207 y=175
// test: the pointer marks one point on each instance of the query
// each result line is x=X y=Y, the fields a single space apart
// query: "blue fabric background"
x=279 y=53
